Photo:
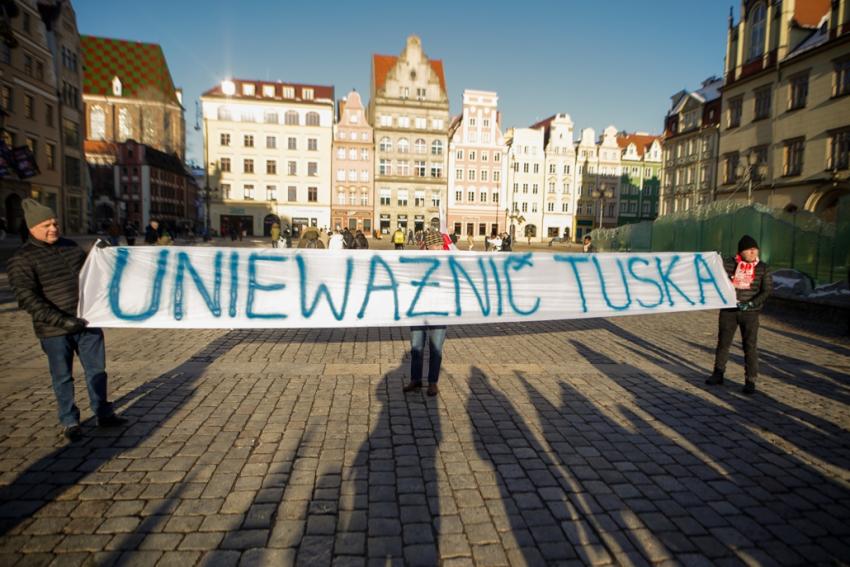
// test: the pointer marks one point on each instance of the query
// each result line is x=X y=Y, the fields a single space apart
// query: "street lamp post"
x=751 y=173
x=600 y=195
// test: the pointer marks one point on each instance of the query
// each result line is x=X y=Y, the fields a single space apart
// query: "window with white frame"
x=271 y=192
x=248 y=192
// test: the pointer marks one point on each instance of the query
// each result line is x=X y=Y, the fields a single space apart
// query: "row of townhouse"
x=286 y=153
x=775 y=129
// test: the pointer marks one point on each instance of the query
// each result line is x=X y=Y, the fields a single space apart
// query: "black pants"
x=748 y=321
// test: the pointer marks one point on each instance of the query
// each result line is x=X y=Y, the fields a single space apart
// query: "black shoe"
x=432 y=389
x=412 y=386
x=749 y=388
x=111 y=421
x=72 y=432
x=715 y=379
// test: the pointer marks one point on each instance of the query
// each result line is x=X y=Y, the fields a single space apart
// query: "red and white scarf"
x=745 y=273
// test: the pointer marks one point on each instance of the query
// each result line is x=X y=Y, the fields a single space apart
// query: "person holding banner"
x=44 y=275
x=435 y=335
x=753 y=284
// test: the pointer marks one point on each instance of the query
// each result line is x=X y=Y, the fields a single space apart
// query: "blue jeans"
x=88 y=345
x=436 y=336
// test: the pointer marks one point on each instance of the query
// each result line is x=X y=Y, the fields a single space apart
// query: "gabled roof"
x=141 y=68
x=642 y=142
x=709 y=91
x=320 y=92
x=381 y=65
x=816 y=38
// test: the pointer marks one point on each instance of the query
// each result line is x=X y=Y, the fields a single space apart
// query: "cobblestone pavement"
x=591 y=442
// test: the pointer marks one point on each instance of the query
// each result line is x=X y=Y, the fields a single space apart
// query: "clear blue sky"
x=603 y=62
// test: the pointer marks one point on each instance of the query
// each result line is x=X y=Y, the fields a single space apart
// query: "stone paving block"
x=220 y=558
x=160 y=542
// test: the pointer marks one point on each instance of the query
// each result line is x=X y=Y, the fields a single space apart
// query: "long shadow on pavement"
x=147 y=407
x=389 y=506
x=729 y=488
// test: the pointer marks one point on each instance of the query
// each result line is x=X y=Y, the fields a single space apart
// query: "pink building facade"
x=477 y=168
x=352 y=197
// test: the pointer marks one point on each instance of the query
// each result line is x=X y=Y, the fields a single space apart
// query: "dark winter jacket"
x=760 y=288
x=45 y=279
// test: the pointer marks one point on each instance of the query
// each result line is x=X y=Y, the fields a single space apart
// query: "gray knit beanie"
x=35 y=213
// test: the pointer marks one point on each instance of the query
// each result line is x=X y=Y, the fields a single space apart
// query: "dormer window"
x=248 y=89
x=307 y=94
x=116 y=86
x=756 y=21
x=268 y=91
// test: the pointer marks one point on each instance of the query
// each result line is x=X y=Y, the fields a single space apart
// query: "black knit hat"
x=746 y=243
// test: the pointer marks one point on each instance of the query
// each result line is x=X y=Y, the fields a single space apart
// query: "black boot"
x=749 y=387
x=715 y=378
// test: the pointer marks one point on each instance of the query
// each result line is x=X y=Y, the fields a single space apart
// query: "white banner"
x=229 y=288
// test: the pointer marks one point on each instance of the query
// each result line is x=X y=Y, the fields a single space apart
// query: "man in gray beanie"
x=753 y=284
x=44 y=274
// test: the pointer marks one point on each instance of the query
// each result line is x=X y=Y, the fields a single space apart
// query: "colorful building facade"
x=352 y=203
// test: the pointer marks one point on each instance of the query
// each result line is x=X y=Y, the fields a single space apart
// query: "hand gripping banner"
x=177 y=287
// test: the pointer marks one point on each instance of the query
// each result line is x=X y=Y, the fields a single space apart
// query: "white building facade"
x=526 y=160
x=559 y=191
x=477 y=168
x=268 y=150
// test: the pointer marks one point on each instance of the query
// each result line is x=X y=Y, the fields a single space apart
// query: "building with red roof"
x=409 y=110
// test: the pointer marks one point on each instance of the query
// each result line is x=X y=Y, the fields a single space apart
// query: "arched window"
x=97 y=122
x=312 y=119
x=125 y=129
x=436 y=148
x=385 y=145
x=403 y=146
x=756 y=21
x=291 y=118
x=420 y=146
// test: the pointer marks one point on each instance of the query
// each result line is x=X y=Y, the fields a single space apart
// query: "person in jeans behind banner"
x=753 y=284
x=44 y=275
x=435 y=335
